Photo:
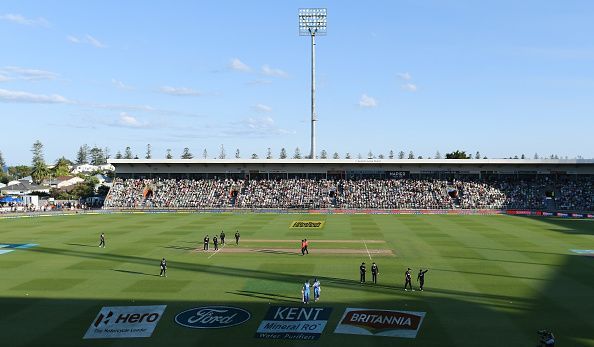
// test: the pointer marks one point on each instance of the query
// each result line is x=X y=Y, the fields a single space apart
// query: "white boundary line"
x=217 y=251
x=367 y=249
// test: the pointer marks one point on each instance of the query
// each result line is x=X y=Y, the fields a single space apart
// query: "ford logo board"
x=212 y=317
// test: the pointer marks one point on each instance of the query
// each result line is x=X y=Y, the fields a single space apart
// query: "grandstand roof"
x=360 y=166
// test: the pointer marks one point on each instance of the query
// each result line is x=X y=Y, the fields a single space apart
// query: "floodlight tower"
x=312 y=22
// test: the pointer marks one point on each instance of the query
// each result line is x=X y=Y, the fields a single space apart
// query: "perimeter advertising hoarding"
x=294 y=323
x=376 y=322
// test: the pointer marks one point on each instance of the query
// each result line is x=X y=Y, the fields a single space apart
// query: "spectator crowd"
x=406 y=193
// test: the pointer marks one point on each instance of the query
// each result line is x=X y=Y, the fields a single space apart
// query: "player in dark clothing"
x=421 y=278
x=206 y=240
x=222 y=237
x=163 y=268
x=302 y=247
x=305 y=244
x=102 y=240
x=362 y=273
x=237 y=237
x=374 y=272
x=407 y=280
x=215 y=241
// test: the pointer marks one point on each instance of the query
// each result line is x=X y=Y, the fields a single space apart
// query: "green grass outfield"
x=493 y=280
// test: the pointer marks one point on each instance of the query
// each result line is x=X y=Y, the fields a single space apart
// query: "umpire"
x=362 y=271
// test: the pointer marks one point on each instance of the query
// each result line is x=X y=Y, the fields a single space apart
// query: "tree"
x=237 y=154
x=297 y=154
x=523 y=156
x=222 y=153
x=536 y=156
x=119 y=155
x=381 y=156
x=204 y=154
x=19 y=171
x=477 y=155
x=82 y=156
x=148 y=152
x=516 y=156
x=97 y=156
x=347 y=155
x=62 y=167
x=370 y=155
x=359 y=156
x=323 y=154
x=186 y=154
x=2 y=162
x=391 y=155
x=283 y=153
x=401 y=155
x=457 y=155
x=335 y=155
x=106 y=154
x=128 y=153
x=169 y=155
x=40 y=170
x=268 y=153
x=254 y=156
x=411 y=155
x=420 y=157
x=437 y=155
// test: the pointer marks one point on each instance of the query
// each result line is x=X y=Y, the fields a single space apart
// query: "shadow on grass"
x=265 y=296
x=271 y=251
x=82 y=244
x=136 y=272
x=500 y=260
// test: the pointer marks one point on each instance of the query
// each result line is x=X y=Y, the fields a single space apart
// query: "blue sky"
x=503 y=78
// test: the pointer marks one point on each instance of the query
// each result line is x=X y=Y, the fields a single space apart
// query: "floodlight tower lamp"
x=312 y=22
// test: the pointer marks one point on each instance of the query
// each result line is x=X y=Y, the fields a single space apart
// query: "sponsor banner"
x=519 y=212
x=212 y=317
x=118 y=322
x=294 y=323
x=364 y=321
x=577 y=215
x=306 y=224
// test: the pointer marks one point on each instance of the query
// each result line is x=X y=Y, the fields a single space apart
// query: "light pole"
x=312 y=22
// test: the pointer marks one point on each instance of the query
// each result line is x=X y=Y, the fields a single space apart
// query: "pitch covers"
x=364 y=321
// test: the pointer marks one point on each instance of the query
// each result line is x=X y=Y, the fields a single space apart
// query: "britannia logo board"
x=212 y=317
x=364 y=321
x=125 y=322
x=294 y=323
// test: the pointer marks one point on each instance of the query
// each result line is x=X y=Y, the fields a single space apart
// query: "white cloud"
x=411 y=87
x=121 y=85
x=404 y=76
x=15 y=72
x=20 y=19
x=367 y=101
x=4 y=78
x=238 y=65
x=268 y=71
x=259 y=82
x=26 y=97
x=93 y=41
x=128 y=121
x=262 y=108
x=179 y=91
x=73 y=39
x=87 y=39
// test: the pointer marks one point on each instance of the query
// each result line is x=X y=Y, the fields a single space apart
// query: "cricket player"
x=302 y=247
x=163 y=268
x=102 y=240
x=237 y=238
x=374 y=272
x=222 y=237
x=407 y=280
x=305 y=292
x=362 y=271
x=305 y=244
x=421 y=278
x=215 y=241
x=317 y=289
x=206 y=239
